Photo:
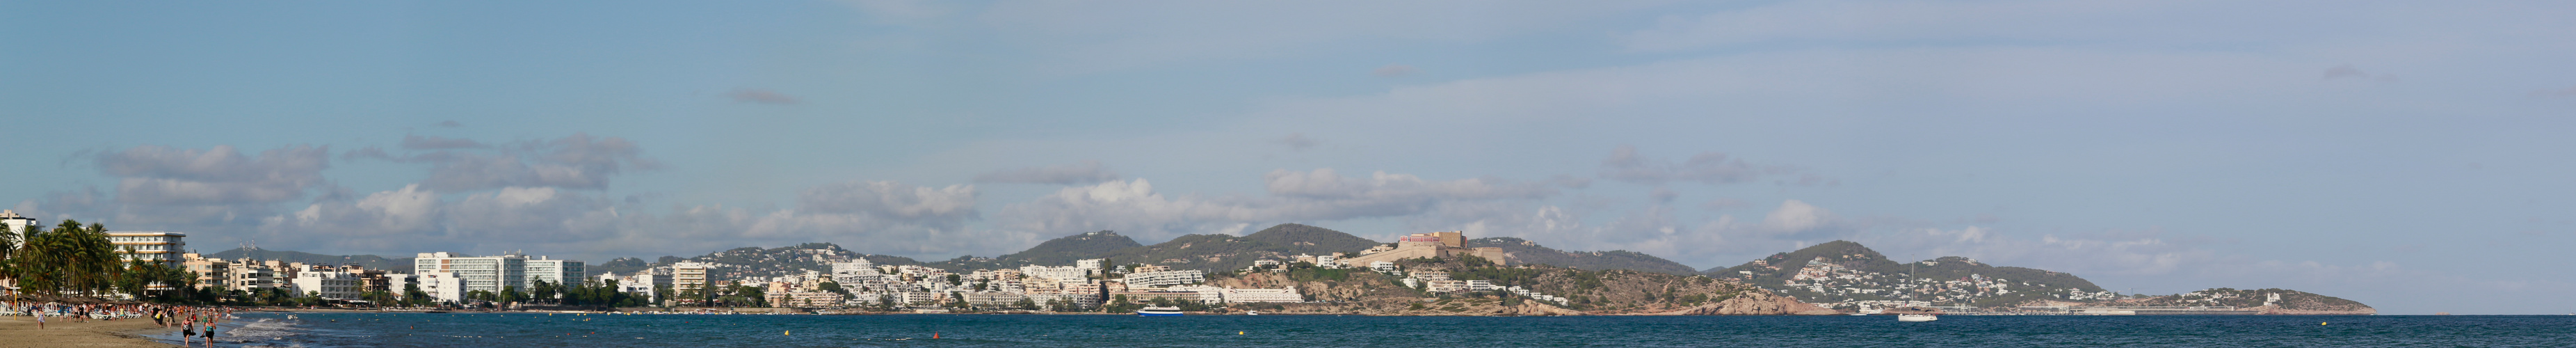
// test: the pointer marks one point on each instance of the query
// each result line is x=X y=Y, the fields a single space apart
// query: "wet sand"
x=20 y=331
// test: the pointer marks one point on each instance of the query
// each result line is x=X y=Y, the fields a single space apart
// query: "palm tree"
x=71 y=258
x=8 y=254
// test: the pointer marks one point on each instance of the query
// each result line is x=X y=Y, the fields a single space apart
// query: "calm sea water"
x=492 y=330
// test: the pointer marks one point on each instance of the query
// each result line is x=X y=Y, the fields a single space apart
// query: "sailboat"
x=1911 y=313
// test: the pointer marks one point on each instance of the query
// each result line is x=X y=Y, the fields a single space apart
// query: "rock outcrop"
x=1757 y=303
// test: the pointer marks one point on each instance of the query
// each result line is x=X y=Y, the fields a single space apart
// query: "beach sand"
x=19 y=331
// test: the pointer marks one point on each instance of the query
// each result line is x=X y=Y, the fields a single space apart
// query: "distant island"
x=1300 y=269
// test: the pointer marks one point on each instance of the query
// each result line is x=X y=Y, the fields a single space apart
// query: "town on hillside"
x=1289 y=268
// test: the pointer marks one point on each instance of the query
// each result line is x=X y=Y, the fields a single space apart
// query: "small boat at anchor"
x=1915 y=314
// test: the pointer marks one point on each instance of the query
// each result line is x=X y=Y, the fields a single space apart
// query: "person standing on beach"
x=40 y=317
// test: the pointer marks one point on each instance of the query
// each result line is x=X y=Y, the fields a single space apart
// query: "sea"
x=972 y=330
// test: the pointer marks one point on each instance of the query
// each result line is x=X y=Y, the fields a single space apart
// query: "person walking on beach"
x=40 y=316
x=210 y=332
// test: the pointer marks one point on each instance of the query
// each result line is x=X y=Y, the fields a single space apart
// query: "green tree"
x=70 y=259
x=544 y=291
x=413 y=296
x=1025 y=304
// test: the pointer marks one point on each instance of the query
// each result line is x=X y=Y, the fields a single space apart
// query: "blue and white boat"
x=1159 y=312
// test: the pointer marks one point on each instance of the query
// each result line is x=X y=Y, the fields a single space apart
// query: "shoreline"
x=20 y=331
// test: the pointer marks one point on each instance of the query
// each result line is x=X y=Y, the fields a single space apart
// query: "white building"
x=1068 y=273
x=443 y=286
x=1480 y=285
x=1326 y=261
x=553 y=271
x=488 y=273
x=1093 y=265
x=855 y=272
x=1164 y=278
x=640 y=284
x=17 y=225
x=1211 y=294
x=396 y=282
x=328 y=285
x=1233 y=295
x=152 y=246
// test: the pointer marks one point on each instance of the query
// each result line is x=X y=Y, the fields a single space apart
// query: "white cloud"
x=945 y=207
x=158 y=175
x=578 y=162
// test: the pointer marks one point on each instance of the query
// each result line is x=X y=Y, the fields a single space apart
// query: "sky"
x=2410 y=155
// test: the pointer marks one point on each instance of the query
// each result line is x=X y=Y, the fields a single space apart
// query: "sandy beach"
x=19 y=331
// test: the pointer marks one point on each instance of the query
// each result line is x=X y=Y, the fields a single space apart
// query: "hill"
x=1845 y=273
x=1611 y=292
x=1217 y=252
x=2289 y=301
x=1524 y=251
x=401 y=265
x=1054 y=252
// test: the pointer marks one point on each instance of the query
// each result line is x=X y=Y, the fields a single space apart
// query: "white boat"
x=1157 y=311
x=1251 y=312
x=1911 y=313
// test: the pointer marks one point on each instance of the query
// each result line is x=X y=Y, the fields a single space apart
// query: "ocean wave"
x=264 y=329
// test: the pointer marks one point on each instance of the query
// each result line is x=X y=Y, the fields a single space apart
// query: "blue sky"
x=2409 y=155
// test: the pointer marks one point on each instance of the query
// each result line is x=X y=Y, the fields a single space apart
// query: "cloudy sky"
x=2415 y=156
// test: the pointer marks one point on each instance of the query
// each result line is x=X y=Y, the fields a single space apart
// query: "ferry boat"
x=1159 y=312
x=1915 y=314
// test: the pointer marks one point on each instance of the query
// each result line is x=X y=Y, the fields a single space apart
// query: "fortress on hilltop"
x=1426 y=245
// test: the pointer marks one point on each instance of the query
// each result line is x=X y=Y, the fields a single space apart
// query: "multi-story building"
x=485 y=273
x=1056 y=273
x=327 y=284
x=812 y=299
x=993 y=299
x=1444 y=286
x=689 y=281
x=443 y=286
x=210 y=272
x=150 y=246
x=554 y=271
x=1481 y=285
x=1165 y=278
x=1233 y=295
x=640 y=284
x=245 y=275
x=1093 y=265
x=396 y=282
x=17 y=225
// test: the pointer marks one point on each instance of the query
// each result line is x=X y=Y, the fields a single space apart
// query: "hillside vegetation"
x=1525 y=251
x=396 y=265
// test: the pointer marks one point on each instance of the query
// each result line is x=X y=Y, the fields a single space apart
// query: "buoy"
x=934 y=335
x=1238 y=332
x=2321 y=323
x=782 y=333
